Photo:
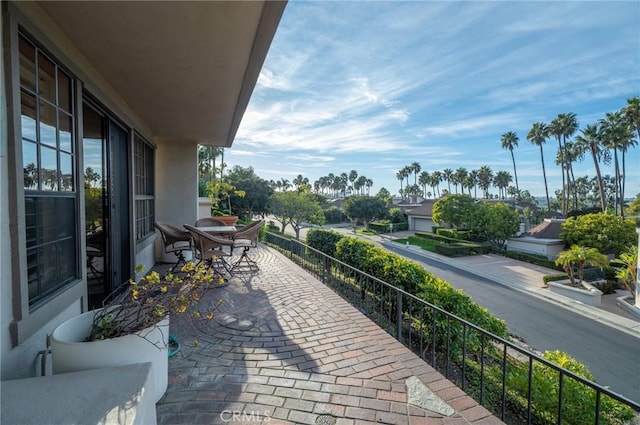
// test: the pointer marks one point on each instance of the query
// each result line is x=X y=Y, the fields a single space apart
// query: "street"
x=610 y=355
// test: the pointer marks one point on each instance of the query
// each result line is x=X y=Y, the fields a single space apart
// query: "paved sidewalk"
x=285 y=349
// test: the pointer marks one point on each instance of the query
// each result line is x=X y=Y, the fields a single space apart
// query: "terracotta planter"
x=70 y=353
x=229 y=220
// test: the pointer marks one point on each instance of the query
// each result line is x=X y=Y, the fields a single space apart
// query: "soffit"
x=187 y=69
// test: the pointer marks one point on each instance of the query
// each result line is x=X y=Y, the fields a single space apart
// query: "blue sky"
x=375 y=86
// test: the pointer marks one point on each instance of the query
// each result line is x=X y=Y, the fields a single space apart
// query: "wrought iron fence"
x=514 y=384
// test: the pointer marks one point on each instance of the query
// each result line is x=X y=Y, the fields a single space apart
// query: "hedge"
x=532 y=258
x=554 y=277
x=383 y=226
x=323 y=240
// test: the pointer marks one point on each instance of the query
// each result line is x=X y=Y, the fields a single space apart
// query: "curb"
x=623 y=324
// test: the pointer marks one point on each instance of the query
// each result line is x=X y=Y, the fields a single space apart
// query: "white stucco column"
x=176 y=183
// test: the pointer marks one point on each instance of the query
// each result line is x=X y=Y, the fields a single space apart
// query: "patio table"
x=225 y=231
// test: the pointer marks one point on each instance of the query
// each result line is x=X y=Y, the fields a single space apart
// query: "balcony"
x=285 y=348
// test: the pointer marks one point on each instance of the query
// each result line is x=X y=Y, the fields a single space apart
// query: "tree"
x=628 y=273
x=485 y=177
x=454 y=210
x=364 y=208
x=634 y=206
x=257 y=191
x=580 y=256
x=424 y=180
x=615 y=133
x=501 y=181
x=415 y=168
x=384 y=195
x=495 y=223
x=608 y=233
x=509 y=141
x=447 y=174
x=295 y=208
x=589 y=140
x=538 y=136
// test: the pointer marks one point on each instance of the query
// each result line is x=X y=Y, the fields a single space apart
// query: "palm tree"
x=580 y=256
x=447 y=174
x=458 y=177
x=615 y=135
x=369 y=185
x=400 y=176
x=632 y=113
x=562 y=127
x=473 y=183
x=436 y=179
x=424 y=180
x=538 y=136
x=589 y=140
x=485 y=177
x=501 y=181
x=415 y=167
x=509 y=141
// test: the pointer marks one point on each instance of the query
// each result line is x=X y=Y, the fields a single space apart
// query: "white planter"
x=70 y=353
x=589 y=295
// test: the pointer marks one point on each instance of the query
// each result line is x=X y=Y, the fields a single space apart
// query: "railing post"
x=399 y=317
x=324 y=269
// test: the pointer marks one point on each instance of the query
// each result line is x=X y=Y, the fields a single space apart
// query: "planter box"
x=70 y=353
x=589 y=295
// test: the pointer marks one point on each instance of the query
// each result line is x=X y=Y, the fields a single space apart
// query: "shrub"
x=323 y=240
x=554 y=277
x=334 y=215
x=532 y=258
x=578 y=400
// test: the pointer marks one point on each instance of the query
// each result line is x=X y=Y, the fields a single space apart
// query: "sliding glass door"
x=107 y=209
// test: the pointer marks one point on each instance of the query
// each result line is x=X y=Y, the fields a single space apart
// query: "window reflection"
x=48 y=168
x=46 y=78
x=47 y=124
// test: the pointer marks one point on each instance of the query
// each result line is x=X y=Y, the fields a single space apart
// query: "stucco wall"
x=176 y=184
x=550 y=248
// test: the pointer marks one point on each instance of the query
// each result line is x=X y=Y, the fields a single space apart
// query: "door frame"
x=117 y=207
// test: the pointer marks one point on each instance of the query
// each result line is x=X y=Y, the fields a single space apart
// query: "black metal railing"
x=514 y=384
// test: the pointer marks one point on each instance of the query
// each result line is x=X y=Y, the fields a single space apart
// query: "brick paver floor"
x=283 y=348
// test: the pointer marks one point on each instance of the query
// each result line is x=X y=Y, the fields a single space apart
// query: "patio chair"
x=175 y=241
x=211 y=250
x=247 y=238
x=209 y=221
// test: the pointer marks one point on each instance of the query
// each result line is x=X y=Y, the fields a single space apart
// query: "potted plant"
x=133 y=325
x=219 y=192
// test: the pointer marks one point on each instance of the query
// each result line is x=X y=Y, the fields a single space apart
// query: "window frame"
x=37 y=217
x=29 y=320
x=144 y=188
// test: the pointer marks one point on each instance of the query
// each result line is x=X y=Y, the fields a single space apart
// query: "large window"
x=48 y=152
x=144 y=196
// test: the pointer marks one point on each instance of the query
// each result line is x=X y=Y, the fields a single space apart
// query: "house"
x=544 y=239
x=104 y=105
x=419 y=216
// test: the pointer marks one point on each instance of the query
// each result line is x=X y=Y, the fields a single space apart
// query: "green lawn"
x=427 y=245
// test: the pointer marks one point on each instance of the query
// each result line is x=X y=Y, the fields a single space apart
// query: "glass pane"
x=48 y=124
x=65 y=127
x=30 y=167
x=48 y=168
x=67 y=260
x=30 y=216
x=46 y=78
x=48 y=266
x=28 y=116
x=32 y=273
x=46 y=220
x=66 y=172
x=64 y=91
x=27 y=65
x=66 y=218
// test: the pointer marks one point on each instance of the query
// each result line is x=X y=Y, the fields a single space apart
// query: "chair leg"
x=181 y=260
x=251 y=265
